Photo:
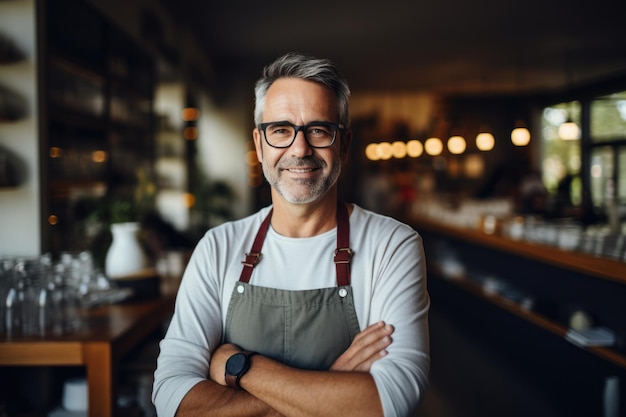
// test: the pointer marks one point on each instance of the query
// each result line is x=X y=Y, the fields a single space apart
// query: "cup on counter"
x=569 y=236
x=75 y=395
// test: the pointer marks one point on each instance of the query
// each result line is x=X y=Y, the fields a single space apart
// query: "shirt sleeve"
x=400 y=297
x=194 y=332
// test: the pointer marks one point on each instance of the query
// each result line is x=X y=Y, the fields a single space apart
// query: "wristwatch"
x=236 y=366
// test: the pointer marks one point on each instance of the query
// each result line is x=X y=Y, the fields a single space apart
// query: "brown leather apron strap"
x=254 y=256
x=343 y=253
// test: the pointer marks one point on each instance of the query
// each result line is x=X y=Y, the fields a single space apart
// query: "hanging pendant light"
x=456 y=145
x=569 y=130
x=485 y=141
x=520 y=136
x=433 y=146
x=414 y=148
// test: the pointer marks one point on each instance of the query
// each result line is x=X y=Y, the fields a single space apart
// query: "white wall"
x=20 y=230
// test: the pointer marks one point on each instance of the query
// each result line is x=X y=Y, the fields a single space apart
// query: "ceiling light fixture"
x=520 y=136
x=385 y=150
x=371 y=152
x=569 y=130
x=485 y=141
x=414 y=148
x=398 y=149
x=456 y=145
x=433 y=146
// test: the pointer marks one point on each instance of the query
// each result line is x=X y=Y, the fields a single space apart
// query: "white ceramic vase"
x=125 y=256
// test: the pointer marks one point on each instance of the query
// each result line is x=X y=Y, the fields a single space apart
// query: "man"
x=304 y=327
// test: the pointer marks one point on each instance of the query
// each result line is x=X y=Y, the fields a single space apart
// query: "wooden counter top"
x=107 y=334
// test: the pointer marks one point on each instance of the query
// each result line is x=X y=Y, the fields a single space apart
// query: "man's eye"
x=278 y=130
x=316 y=130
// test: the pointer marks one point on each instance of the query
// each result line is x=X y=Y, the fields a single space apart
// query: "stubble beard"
x=302 y=191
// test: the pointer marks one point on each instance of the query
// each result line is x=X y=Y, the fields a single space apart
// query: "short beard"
x=316 y=187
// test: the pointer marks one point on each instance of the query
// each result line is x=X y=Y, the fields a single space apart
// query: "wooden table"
x=109 y=333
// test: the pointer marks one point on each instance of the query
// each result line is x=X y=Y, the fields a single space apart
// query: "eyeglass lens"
x=282 y=135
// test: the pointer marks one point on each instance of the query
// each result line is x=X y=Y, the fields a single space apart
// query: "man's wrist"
x=236 y=367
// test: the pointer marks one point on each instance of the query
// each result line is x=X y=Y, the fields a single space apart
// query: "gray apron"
x=307 y=329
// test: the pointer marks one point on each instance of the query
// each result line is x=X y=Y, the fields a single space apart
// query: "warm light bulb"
x=99 y=156
x=398 y=149
x=485 y=141
x=414 y=148
x=385 y=150
x=251 y=158
x=190 y=114
x=190 y=133
x=474 y=166
x=189 y=200
x=55 y=152
x=520 y=136
x=456 y=145
x=569 y=131
x=433 y=146
x=371 y=152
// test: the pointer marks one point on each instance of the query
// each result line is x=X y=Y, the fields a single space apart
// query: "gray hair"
x=292 y=65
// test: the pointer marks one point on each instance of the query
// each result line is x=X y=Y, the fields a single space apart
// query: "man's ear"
x=256 y=136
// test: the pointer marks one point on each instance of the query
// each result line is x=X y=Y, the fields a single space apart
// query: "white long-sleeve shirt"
x=388 y=276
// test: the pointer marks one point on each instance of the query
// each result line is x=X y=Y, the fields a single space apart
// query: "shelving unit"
x=12 y=109
x=575 y=261
x=98 y=126
x=534 y=318
x=554 y=276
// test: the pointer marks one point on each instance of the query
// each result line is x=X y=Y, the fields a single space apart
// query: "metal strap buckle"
x=343 y=255
x=252 y=258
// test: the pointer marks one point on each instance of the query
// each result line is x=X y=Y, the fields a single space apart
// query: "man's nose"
x=300 y=145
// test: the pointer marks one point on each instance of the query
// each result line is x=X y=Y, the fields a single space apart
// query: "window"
x=608 y=118
x=561 y=155
x=608 y=144
x=600 y=146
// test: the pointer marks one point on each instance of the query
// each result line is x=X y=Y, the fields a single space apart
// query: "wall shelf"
x=98 y=115
x=575 y=261
x=554 y=282
x=9 y=52
x=532 y=317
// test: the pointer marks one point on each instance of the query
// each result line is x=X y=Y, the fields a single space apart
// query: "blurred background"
x=496 y=129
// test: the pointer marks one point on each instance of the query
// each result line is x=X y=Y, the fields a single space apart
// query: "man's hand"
x=217 y=366
x=367 y=347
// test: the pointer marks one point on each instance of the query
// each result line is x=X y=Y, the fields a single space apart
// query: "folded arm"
x=210 y=398
x=296 y=392
x=273 y=389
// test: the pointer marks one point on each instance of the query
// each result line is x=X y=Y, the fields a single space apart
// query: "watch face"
x=236 y=364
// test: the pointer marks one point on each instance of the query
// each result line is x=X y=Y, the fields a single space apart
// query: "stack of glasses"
x=40 y=296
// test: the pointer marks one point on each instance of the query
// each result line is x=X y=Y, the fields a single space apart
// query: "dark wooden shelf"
x=575 y=261
x=530 y=316
x=75 y=118
x=99 y=89
x=76 y=66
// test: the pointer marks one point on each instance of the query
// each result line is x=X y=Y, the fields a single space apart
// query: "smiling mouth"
x=300 y=170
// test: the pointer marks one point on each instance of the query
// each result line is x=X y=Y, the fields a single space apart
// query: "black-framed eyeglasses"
x=317 y=134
